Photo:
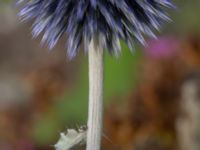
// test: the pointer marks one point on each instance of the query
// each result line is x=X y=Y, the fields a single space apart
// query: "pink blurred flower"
x=163 y=47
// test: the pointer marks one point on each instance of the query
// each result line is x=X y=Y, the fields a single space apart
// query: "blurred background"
x=152 y=97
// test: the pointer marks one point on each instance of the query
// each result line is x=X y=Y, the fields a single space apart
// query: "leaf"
x=71 y=138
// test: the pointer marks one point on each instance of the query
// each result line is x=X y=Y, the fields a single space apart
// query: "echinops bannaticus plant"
x=98 y=25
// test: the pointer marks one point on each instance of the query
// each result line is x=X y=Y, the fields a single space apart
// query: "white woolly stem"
x=95 y=113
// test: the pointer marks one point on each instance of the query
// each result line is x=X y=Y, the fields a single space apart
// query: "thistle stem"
x=95 y=113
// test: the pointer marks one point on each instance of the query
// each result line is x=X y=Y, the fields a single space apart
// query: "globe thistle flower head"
x=109 y=21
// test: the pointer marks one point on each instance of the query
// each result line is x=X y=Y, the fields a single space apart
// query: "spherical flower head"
x=109 y=21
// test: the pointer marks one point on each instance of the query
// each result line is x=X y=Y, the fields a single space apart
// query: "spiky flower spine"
x=108 y=20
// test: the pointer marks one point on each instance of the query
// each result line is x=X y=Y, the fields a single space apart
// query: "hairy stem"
x=95 y=113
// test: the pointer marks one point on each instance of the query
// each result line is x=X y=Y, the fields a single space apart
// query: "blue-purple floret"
x=109 y=21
